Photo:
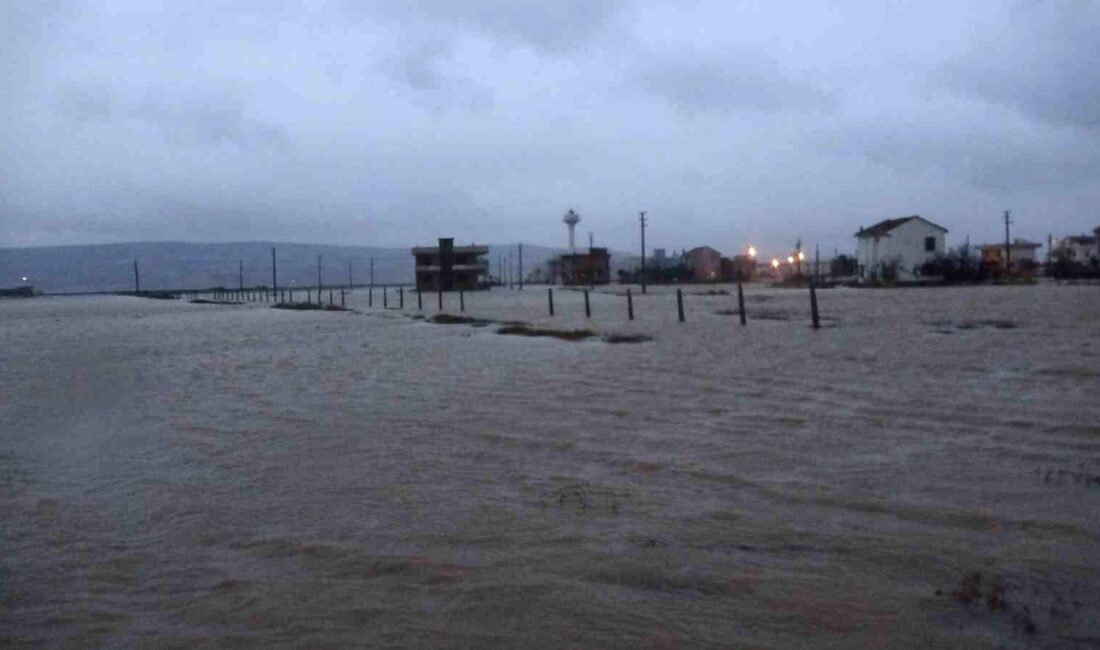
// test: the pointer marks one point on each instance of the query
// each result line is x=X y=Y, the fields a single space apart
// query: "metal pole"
x=813 y=306
x=521 y=267
x=741 y=303
x=641 y=219
x=274 y=284
x=461 y=300
x=680 y=304
x=401 y=297
x=550 y=299
x=629 y=305
x=137 y=279
x=587 y=307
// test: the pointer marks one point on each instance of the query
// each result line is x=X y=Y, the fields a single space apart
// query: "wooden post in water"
x=550 y=299
x=587 y=306
x=680 y=304
x=461 y=300
x=629 y=305
x=813 y=306
x=741 y=303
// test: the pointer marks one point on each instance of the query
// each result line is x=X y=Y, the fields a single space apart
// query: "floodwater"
x=923 y=471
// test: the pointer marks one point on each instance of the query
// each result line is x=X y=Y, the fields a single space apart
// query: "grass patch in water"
x=627 y=338
x=994 y=323
x=450 y=319
x=307 y=306
x=527 y=330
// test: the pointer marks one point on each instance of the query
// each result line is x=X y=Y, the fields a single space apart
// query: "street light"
x=790 y=260
x=801 y=256
x=752 y=252
x=775 y=264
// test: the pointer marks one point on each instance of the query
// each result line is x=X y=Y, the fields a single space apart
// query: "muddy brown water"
x=917 y=473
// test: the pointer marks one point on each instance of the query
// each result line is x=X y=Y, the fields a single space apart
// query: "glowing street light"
x=801 y=256
x=790 y=259
x=752 y=252
x=775 y=263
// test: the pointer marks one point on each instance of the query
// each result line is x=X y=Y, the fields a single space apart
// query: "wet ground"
x=923 y=471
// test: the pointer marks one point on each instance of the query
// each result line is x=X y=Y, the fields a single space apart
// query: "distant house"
x=897 y=248
x=579 y=269
x=450 y=268
x=704 y=263
x=1021 y=255
x=1079 y=249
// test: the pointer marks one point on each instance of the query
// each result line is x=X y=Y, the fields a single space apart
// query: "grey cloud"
x=206 y=118
x=434 y=79
x=985 y=155
x=739 y=81
x=190 y=117
x=551 y=27
x=1043 y=64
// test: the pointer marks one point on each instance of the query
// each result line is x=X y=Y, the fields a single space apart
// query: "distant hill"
x=178 y=265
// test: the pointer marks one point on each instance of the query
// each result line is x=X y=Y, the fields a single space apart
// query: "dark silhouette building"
x=579 y=269
x=450 y=268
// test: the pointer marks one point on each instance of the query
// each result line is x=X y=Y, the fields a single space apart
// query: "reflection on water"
x=172 y=474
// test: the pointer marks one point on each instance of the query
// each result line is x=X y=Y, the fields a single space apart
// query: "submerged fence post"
x=587 y=306
x=629 y=305
x=461 y=300
x=741 y=303
x=813 y=306
x=550 y=299
x=680 y=304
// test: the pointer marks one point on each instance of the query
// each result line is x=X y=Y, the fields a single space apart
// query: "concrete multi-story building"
x=451 y=268
x=1080 y=249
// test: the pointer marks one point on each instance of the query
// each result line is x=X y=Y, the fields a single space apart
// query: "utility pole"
x=137 y=279
x=240 y=275
x=1008 y=244
x=521 y=267
x=274 y=284
x=641 y=220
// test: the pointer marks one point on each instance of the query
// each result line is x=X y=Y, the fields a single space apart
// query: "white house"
x=898 y=246
x=1082 y=249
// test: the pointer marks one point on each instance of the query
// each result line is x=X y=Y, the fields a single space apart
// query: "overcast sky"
x=391 y=123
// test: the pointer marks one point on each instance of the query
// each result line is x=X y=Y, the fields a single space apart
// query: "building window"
x=929 y=244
